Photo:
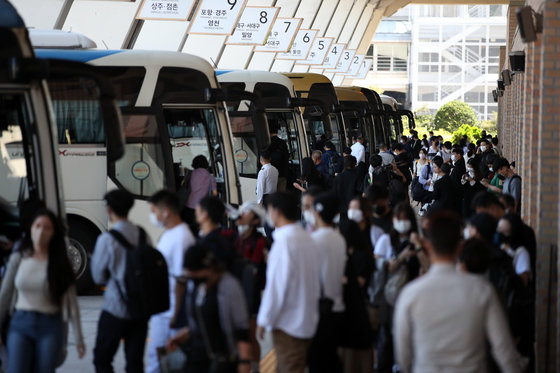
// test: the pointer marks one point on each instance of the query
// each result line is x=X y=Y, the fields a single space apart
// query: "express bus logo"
x=182 y=144
x=62 y=152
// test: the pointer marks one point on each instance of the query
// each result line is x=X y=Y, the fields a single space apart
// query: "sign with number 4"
x=333 y=56
x=301 y=46
x=281 y=36
x=216 y=17
x=253 y=25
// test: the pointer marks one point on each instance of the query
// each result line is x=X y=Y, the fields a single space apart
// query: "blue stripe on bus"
x=221 y=72
x=74 y=55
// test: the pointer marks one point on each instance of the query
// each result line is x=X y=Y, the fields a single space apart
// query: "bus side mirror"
x=114 y=133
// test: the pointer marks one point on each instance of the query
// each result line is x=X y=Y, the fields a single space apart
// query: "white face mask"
x=269 y=221
x=242 y=229
x=402 y=226
x=355 y=215
x=39 y=236
x=471 y=174
x=154 y=220
x=309 y=218
x=466 y=233
x=483 y=148
x=490 y=169
x=453 y=157
x=422 y=156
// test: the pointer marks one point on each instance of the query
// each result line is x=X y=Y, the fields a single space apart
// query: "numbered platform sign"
x=300 y=47
x=365 y=67
x=216 y=17
x=253 y=26
x=356 y=63
x=174 y=10
x=333 y=56
x=345 y=61
x=318 y=52
x=281 y=36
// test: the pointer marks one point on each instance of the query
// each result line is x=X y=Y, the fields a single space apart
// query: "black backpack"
x=146 y=279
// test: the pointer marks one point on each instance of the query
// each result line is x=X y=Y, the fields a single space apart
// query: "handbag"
x=394 y=285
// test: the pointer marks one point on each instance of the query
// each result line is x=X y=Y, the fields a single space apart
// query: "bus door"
x=289 y=133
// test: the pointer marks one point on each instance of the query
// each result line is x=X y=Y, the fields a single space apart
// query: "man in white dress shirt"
x=359 y=150
x=267 y=179
x=443 y=319
x=290 y=302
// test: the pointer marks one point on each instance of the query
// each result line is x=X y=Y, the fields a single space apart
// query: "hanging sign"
x=281 y=36
x=365 y=67
x=318 y=52
x=216 y=17
x=345 y=61
x=356 y=64
x=333 y=56
x=300 y=47
x=173 y=10
x=253 y=26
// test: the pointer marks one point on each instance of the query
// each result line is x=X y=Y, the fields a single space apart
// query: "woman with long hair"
x=39 y=285
x=471 y=186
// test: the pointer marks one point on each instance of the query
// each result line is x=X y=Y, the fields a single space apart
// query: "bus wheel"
x=82 y=241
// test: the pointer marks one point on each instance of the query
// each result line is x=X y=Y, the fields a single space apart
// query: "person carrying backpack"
x=173 y=243
x=109 y=267
x=332 y=162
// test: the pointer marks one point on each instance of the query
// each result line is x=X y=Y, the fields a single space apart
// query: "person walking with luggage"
x=173 y=243
x=39 y=285
x=108 y=267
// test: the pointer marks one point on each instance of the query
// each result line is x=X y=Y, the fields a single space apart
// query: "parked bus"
x=322 y=116
x=391 y=107
x=275 y=95
x=172 y=111
x=30 y=167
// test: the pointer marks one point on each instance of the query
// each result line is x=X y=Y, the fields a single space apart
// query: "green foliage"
x=491 y=126
x=424 y=119
x=453 y=115
x=472 y=132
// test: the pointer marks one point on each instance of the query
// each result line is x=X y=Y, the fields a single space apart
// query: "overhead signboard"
x=333 y=56
x=281 y=36
x=216 y=17
x=253 y=26
x=172 y=10
x=301 y=46
x=356 y=63
x=345 y=61
x=318 y=52
x=365 y=67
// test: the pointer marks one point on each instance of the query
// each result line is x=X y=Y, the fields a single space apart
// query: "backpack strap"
x=120 y=239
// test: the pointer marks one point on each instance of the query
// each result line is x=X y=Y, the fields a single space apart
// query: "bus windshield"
x=288 y=132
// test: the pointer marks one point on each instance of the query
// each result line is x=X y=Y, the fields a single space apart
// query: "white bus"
x=30 y=167
x=274 y=96
x=171 y=111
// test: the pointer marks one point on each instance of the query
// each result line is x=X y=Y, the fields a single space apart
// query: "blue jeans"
x=34 y=342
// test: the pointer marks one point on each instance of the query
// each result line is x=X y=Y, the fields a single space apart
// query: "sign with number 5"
x=253 y=25
x=216 y=17
x=281 y=36
x=318 y=51
x=301 y=46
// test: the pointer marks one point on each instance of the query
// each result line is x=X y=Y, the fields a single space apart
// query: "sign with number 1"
x=253 y=25
x=301 y=46
x=365 y=67
x=318 y=52
x=281 y=36
x=216 y=17
x=333 y=56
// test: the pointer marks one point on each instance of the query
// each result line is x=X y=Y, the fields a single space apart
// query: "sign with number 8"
x=253 y=26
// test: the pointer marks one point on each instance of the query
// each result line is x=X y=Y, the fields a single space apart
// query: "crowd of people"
x=417 y=261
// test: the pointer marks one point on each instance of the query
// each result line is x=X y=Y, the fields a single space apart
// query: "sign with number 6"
x=301 y=46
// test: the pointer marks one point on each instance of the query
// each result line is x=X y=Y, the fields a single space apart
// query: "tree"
x=424 y=118
x=453 y=115
x=472 y=133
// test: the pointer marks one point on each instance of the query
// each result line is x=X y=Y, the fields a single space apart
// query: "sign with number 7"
x=281 y=36
x=301 y=46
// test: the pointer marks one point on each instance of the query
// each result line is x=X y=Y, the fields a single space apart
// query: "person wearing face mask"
x=290 y=301
x=433 y=151
x=308 y=216
x=446 y=152
x=394 y=252
x=39 y=291
x=496 y=183
x=108 y=267
x=459 y=167
x=215 y=333
x=381 y=222
x=347 y=185
x=357 y=352
x=510 y=238
x=323 y=352
x=484 y=151
x=446 y=193
x=471 y=185
x=512 y=181
x=424 y=173
x=173 y=243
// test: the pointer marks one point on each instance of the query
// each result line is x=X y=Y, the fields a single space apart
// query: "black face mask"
x=379 y=209
x=501 y=177
x=501 y=239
